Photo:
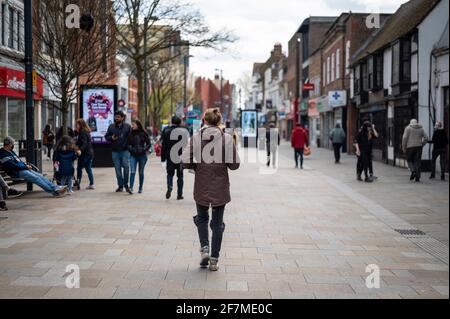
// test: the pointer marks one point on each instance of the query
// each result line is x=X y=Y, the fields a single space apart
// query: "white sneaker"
x=214 y=264
x=70 y=193
x=205 y=257
x=90 y=188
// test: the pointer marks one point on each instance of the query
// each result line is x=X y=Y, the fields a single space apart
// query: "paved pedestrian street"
x=289 y=234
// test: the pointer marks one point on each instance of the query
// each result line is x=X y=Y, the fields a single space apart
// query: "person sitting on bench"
x=16 y=168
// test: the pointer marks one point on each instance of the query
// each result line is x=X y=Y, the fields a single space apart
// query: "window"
x=401 y=61
x=3 y=24
x=324 y=80
x=16 y=120
x=378 y=71
x=11 y=28
x=328 y=70
x=406 y=60
x=364 y=77
x=338 y=64
x=370 y=73
x=333 y=66
x=347 y=57
x=396 y=63
x=357 y=79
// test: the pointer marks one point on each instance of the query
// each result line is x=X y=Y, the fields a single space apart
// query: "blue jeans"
x=121 y=162
x=38 y=179
x=299 y=153
x=85 y=161
x=142 y=161
x=217 y=227
x=67 y=181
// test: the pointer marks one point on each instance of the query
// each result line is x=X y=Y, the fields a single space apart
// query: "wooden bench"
x=11 y=181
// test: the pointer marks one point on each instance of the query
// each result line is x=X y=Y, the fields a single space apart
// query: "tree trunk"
x=64 y=109
x=142 y=105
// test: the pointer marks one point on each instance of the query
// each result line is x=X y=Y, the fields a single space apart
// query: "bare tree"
x=164 y=23
x=166 y=80
x=67 y=57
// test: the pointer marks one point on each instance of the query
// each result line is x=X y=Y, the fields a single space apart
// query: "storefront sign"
x=12 y=84
x=337 y=98
x=308 y=87
x=98 y=106
x=323 y=105
x=313 y=112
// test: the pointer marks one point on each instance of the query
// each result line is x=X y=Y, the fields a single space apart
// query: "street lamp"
x=146 y=27
x=221 y=88
x=187 y=56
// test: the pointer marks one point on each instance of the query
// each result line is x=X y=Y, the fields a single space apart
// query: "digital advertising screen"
x=249 y=123
x=98 y=107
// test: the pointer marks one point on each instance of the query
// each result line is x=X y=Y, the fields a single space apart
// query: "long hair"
x=141 y=128
x=66 y=143
x=47 y=129
x=83 y=126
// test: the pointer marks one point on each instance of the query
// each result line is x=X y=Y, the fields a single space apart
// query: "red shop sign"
x=308 y=86
x=12 y=84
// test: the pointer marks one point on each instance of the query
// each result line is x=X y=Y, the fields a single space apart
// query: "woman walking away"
x=48 y=139
x=65 y=157
x=139 y=144
x=414 y=139
x=337 y=137
x=85 y=153
x=212 y=185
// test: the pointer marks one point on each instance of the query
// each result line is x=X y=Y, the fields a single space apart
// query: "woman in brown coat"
x=211 y=154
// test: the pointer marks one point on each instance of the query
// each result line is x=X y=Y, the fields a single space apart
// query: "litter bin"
x=37 y=152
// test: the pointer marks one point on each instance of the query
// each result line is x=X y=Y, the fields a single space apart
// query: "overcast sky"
x=261 y=23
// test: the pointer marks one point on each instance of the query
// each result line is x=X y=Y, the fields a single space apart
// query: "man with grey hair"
x=16 y=168
x=414 y=139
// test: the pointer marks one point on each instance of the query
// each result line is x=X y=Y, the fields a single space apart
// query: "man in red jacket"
x=299 y=140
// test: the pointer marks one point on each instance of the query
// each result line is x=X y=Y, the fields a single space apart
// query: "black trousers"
x=217 y=227
x=364 y=164
x=414 y=158
x=171 y=170
x=337 y=151
x=441 y=154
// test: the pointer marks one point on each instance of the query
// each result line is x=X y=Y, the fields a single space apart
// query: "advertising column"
x=98 y=106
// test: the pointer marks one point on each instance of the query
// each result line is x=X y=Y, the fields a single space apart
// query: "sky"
x=259 y=24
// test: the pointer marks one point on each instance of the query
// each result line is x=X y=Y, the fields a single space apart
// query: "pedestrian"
x=299 y=140
x=338 y=138
x=118 y=134
x=272 y=145
x=212 y=185
x=174 y=135
x=48 y=140
x=363 y=151
x=65 y=157
x=85 y=153
x=440 y=143
x=16 y=168
x=414 y=139
x=139 y=144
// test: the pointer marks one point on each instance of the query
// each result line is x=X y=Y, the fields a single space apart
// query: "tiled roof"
x=405 y=20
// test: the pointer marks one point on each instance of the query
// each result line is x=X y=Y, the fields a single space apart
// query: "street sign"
x=309 y=87
x=337 y=98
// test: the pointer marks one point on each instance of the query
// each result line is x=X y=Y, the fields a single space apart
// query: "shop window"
x=16 y=119
x=364 y=76
x=3 y=119
x=357 y=80
x=3 y=24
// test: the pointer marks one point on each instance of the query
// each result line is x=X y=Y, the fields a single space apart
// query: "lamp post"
x=297 y=83
x=221 y=89
x=28 y=21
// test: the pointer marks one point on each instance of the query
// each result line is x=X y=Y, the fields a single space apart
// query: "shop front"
x=326 y=120
x=12 y=103
x=314 y=120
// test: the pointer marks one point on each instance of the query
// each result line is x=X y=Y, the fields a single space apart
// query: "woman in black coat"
x=85 y=153
x=139 y=144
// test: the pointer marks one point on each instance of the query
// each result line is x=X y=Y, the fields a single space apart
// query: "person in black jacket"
x=174 y=140
x=118 y=134
x=85 y=153
x=138 y=144
x=440 y=143
x=65 y=157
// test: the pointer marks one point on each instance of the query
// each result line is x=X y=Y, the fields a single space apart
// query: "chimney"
x=278 y=49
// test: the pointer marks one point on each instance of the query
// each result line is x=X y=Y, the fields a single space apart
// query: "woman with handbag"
x=139 y=144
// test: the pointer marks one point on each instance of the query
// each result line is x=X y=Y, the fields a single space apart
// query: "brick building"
x=209 y=93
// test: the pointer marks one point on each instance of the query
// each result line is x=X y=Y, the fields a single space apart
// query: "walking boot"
x=204 y=262
x=214 y=264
